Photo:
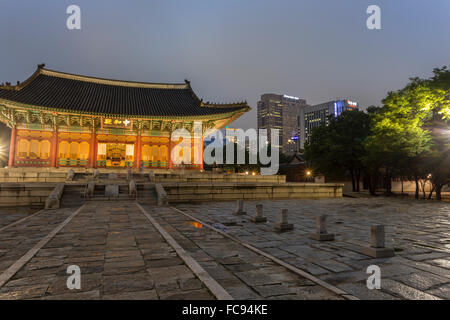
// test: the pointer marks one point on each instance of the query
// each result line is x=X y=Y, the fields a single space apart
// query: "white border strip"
x=296 y=270
x=12 y=270
x=211 y=284
x=21 y=220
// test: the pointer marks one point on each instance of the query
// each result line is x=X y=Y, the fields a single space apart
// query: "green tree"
x=337 y=149
x=403 y=137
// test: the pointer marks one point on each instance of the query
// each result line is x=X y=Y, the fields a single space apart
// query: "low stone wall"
x=60 y=175
x=32 y=176
x=217 y=178
x=183 y=192
x=24 y=194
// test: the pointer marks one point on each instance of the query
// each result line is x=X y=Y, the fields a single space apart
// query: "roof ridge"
x=223 y=105
x=120 y=83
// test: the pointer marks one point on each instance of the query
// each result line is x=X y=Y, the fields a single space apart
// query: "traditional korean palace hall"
x=66 y=120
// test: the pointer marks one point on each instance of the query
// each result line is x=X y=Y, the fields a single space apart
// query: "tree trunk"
x=431 y=192
x=357 y=181
x=388 y=183
x=438 y=192
x=353 y=180
x=401 y=180
x=423 y=184
x=372 y=184
x=416 y=179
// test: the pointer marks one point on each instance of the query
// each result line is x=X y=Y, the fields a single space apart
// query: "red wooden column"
x=201 y=153
x=92 y=150
x=54 y=152
x=170 y=151
x=138 y=151
x=95 y=150
x=12 y=147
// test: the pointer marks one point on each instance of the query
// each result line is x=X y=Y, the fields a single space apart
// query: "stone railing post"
x=133 y=189
x=90 y=189
x=95 y=173
x=70 y=175
x=151 y=176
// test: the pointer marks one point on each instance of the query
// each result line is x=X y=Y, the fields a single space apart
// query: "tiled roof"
x=58 y=90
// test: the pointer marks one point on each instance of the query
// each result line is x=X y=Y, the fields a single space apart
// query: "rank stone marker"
x=259 y=215
x=239 y=211
x=284 y=225
x=376 y=248
x=321 y=230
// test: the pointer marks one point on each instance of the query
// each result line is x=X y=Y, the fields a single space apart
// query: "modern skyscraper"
x=281 y=112
x=315 y=116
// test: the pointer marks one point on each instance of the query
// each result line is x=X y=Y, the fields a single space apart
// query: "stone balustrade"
x=54 y=199
x=60 y=175
x=161 y=195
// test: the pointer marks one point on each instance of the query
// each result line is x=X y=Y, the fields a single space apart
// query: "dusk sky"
x=233 y=50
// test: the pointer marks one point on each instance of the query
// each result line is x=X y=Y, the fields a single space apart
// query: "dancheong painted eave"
x=64 y=92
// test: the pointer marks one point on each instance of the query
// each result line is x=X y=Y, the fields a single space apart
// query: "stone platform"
x=200 y=192
x=36 y=193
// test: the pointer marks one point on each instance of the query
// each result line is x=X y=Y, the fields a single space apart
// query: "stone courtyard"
x=202 y=251
x=419 y=231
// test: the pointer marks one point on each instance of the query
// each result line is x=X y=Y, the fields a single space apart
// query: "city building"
x=66 y=120
x=315 y=116
x=281 y=112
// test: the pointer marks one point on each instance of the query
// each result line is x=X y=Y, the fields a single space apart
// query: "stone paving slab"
x=243 y=273
x=13 y=214
x=114 y=246
x=16 y=240
x=417 y=230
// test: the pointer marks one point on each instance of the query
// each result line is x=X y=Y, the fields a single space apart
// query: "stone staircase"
x=81 y=177
x=75 y=194
x=146 y=194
